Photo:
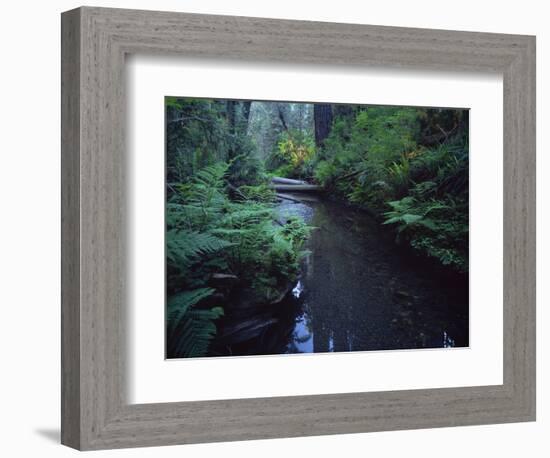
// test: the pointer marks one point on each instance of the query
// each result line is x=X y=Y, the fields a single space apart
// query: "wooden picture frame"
x=95 y=412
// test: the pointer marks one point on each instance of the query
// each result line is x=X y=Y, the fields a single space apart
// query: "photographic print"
x=314 y=227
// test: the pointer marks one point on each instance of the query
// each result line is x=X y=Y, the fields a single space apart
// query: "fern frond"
x=179 y=304
x=184 y=247
x=212 y=176
x=191 y=330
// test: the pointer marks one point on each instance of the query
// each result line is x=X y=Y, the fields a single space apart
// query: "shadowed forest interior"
x=314 y=227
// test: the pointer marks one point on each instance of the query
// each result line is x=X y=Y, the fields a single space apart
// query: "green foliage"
x=193 y=205
x=247 y=168
x=264 y=255
x=190 y=329
x=201 y=132
x=292 y=154
x=366 y=154
x=438 y=228
x=173 y=102
x=384 y=159
x=399 y=176
x=184 y=247
x=215 y=228
x=386 y=132
x=434 y=215
x=197 y=134
x=258 y=193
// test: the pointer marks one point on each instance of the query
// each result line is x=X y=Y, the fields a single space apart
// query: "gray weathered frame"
x=95 y=414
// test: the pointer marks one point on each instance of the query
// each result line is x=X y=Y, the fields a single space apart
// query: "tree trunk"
x=282 y=117
x=230 y=107
x=322 y=115
x=246 y=114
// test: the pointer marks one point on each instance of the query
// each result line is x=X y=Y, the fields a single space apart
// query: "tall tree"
x=246 y=113
x=322 y=115
x=282 y=117
x=238 y=114
x=231 y=106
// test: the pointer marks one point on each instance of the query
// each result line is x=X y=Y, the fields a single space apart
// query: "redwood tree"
x=322 y=115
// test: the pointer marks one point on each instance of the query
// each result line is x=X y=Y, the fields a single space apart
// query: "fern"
x=408 y=212
x=179 y=304
x=185 y=247
x=196 y=332
x=436 y=228
x=209 y=233
x=191 y=330
x=259 y=193
x=203 y=199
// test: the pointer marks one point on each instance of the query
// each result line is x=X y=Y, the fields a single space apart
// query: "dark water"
x=358 y=291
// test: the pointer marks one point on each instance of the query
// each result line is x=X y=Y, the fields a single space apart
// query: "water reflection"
x=302 y=337
x=298 y=289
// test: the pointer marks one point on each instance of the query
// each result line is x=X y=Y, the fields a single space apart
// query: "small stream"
x=358 y=291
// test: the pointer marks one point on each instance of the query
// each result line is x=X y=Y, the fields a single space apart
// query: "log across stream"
x=289 y=185
x=358 y=291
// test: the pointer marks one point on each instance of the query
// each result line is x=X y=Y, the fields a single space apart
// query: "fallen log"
x=282 y=180
x=296 y=187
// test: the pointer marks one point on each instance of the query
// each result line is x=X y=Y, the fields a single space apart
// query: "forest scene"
x=314 y=227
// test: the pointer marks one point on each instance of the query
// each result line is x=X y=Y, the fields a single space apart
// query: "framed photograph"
x=277 y=228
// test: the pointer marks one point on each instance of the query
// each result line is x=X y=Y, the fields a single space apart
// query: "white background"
x=29 y=233
x=155 y=380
